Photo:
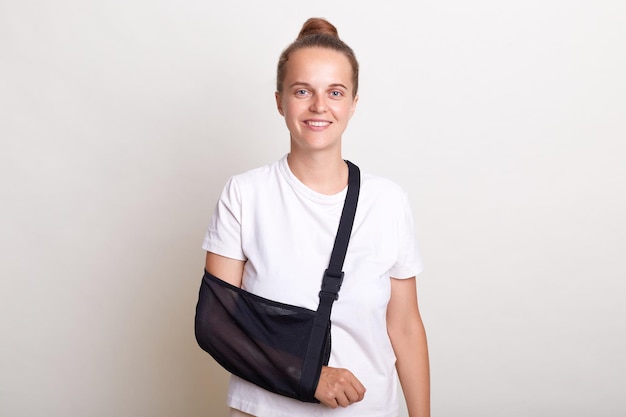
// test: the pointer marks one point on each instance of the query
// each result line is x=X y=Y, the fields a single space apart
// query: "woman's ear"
x=279 y=104
x=353 y=107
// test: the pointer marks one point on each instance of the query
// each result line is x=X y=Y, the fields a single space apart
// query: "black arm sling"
x=279 y=347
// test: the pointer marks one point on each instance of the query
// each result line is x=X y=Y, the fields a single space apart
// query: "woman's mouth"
x=317 y=123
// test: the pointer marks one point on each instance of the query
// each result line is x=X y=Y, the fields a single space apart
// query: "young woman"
x=274 y=227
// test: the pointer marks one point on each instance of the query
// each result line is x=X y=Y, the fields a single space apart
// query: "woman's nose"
x=318 y=104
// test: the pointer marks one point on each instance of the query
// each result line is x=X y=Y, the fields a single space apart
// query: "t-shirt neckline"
x=300 y=188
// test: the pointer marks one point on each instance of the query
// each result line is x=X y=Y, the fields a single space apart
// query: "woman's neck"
x=323 y=173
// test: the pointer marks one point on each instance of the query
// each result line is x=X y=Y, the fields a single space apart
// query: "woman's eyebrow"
x=300 y=84
x=304 y=84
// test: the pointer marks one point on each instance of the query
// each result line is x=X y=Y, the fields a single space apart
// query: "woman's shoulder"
x=375 y=184
x=255 y=177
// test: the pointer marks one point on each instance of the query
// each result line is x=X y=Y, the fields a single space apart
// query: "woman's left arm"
x=408 y=338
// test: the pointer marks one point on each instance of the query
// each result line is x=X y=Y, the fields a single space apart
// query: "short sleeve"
x=409 y=261
x=223 y=236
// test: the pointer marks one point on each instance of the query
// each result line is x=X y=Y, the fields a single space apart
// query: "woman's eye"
x=336 y=93
x=301 y=92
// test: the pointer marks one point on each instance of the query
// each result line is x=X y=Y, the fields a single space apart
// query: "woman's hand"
x=338 y=387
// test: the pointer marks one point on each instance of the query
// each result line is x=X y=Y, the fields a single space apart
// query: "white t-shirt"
x=285 y=233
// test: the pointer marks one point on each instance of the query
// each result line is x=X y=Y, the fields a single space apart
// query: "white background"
x=121 y=120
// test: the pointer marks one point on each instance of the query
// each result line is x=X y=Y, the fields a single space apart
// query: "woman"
x=273 y=229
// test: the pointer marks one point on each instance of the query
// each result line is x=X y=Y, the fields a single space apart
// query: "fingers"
x=338 y=388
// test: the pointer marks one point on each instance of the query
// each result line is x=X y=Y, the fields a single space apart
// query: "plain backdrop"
x=121 y=120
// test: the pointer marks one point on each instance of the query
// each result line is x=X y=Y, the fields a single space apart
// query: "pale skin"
x=317 y=102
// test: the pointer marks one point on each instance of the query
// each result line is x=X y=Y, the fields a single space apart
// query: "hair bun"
x=318 y=26
x=317 y=32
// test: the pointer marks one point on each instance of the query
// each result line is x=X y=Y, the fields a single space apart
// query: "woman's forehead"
x=319 y=63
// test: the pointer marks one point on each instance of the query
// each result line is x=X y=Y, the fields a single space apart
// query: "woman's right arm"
x=337 y=387
x=226 y=269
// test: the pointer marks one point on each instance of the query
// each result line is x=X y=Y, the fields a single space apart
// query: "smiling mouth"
x=316 y=123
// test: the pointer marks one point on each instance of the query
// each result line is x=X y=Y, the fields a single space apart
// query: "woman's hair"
x=317 y=33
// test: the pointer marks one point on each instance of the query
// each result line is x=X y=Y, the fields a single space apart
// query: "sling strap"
x=331 y=284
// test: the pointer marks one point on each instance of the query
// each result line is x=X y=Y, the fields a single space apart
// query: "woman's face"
x=316 y=99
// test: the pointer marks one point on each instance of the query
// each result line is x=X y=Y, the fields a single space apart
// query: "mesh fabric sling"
x=277 y=346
